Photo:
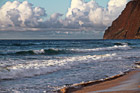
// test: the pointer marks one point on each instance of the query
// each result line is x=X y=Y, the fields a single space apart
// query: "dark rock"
x=127 y=25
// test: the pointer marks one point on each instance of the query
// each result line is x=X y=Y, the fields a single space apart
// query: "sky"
x=57 y=19
x=53 y=6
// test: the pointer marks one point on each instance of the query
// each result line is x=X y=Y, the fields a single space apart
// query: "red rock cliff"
x=127 y=25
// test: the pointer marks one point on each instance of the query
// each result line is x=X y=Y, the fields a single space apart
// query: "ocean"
x=43 y=66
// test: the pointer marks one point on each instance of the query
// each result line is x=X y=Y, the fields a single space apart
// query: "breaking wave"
x=66 y=51
x=37 y=67
x=37 y=52
x=115 y=47
x=42 y=51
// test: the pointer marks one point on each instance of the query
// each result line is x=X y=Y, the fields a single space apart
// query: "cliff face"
x=127 y=25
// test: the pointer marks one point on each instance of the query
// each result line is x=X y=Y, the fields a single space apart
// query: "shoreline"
x=106 y=85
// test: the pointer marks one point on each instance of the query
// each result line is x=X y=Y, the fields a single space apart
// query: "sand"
x=126 y=83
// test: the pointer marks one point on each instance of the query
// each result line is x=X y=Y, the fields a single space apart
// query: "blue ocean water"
x=37 y=66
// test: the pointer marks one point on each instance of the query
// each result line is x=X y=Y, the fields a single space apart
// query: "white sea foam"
x=54 y=51
x=37 y=67
x=115 y=47
x=39 y=51
x=124 y=46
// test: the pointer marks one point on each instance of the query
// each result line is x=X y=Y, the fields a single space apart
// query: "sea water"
x=43 y=66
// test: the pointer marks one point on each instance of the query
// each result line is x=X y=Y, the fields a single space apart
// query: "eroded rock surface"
x=127 y=25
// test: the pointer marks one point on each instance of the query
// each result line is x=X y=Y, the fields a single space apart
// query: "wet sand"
x=129 y=82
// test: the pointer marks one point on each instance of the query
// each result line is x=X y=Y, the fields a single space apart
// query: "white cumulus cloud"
x=21 y=14
x=80 y=16
x=90 y=14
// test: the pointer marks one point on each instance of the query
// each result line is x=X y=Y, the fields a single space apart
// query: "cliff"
x=127 y=25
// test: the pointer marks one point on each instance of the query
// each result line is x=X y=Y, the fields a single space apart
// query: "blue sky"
x=53 y=6
x=66 y=19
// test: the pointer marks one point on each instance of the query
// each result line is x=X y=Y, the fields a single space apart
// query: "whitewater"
x=37 y=66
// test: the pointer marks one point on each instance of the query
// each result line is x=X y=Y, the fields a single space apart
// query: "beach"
x=129 y=82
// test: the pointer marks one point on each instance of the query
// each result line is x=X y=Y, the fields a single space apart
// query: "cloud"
x=21 y=14
x=55 y=16
x=80 y=16
x=90 y=14
x=14 y=17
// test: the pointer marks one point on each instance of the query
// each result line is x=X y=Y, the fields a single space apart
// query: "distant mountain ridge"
x=127 y=25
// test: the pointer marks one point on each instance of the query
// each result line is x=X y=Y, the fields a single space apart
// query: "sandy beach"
x=127 y=83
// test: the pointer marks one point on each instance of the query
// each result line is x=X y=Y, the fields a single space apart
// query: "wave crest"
x=66 y=51
x=41 y=52
x=115 y=47
x=37 y=67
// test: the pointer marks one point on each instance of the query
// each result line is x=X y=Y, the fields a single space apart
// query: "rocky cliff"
x=127 y=25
